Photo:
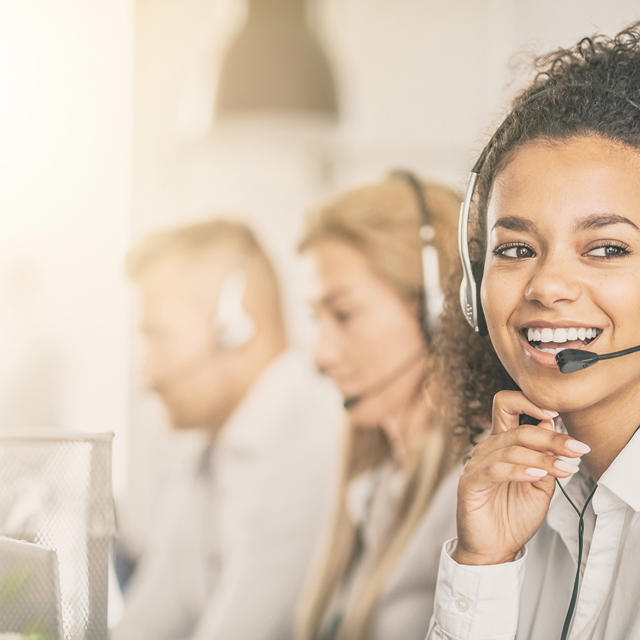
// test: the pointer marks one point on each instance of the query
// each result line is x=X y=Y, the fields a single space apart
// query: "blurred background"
x=122 y=116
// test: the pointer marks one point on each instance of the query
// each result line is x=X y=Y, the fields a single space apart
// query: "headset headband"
x=469 y=288
x=433 y=297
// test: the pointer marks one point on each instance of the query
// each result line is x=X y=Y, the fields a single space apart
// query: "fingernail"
x=535 y=473
x=574 y=461
x=551 y=414
x=565 y=466
x=577 y=446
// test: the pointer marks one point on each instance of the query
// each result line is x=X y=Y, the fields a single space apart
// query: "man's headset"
x=233 y=326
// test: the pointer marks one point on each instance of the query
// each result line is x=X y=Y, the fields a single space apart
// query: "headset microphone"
x=351 y=401
x=570 y=360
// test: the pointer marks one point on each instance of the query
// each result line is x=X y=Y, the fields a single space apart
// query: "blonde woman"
x=377 y=257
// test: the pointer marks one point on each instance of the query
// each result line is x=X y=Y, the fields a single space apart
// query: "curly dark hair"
x=592 y=88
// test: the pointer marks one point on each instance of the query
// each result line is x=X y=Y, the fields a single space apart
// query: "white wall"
x=65 y=206
x=421 y=83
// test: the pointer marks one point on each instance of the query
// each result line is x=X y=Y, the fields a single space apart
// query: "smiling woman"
x=554 y=259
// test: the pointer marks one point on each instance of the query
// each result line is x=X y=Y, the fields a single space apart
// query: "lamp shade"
x=276 y=64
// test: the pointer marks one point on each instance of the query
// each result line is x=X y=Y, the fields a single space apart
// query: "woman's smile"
x=542 y=341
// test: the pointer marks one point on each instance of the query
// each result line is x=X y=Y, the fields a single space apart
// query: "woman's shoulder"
x=437 y=525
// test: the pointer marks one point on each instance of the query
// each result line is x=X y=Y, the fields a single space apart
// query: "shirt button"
x=462 y=603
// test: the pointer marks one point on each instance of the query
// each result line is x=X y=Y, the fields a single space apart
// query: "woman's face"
x=366 y=332
x=562 y=268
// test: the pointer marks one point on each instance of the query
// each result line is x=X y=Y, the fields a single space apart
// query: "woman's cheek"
x=499 y=303
x=493 y=294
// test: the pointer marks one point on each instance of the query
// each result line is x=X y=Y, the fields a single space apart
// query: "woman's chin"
x=557 y=399
x=362 y=417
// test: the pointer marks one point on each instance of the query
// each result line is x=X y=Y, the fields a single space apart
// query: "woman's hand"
x=506 y=487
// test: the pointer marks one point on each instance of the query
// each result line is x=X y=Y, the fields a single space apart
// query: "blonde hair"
x=382 y=221
x=190 y=240
x=216 y=235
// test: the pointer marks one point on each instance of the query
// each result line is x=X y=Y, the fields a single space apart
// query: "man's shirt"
x=235 y=537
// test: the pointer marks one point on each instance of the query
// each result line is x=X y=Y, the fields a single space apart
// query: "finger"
x=501 y=472
x=546 y=424
x=508 y=406
x=545 y=441
x=540 y=438
x=536 y=463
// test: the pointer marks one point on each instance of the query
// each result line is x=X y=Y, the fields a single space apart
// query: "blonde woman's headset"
x=432 y=297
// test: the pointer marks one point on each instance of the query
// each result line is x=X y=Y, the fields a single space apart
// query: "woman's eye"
x=515 y=251
x=608 y=251
x=342 y=316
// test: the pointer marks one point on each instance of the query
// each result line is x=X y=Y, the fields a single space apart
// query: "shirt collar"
x=622 y=477
x=620 y=483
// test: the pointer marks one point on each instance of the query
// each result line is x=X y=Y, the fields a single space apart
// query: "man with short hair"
x=236 y=532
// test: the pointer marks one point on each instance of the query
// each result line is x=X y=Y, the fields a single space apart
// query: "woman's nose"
x=553 y=281
x=327 y=348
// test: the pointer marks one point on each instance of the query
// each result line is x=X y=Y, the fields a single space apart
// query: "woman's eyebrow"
x=598 y=220
x=515 y=223
x=335 y=295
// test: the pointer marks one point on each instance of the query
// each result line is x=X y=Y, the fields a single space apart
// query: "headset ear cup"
x=432 y=296
x=482 y=322
x=237 y=334
x=480 y=319
x=233 y=326
x=466 y=304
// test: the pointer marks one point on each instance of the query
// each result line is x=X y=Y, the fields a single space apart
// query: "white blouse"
x=528 y=598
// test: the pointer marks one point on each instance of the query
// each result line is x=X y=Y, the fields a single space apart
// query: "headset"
x=469 y=286
x=432 y=295
x=469 y=289
x=233 y=326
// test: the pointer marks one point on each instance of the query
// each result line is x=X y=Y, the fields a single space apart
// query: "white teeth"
x=546 y=335
x=533 y=335
x=554 y=351
x=560 y=335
